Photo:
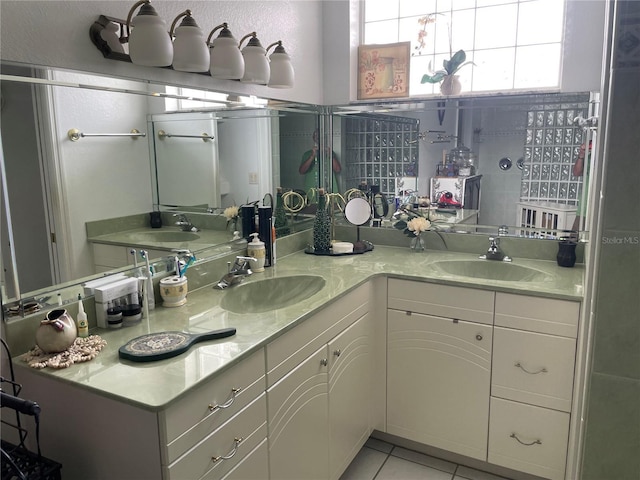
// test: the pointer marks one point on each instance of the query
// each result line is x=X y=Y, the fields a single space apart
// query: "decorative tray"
x=365 y=247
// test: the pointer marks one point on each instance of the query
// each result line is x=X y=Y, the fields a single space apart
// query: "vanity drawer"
x=441 y=300
x=287 y=351
x=537 y=314
x=188 y=421
x=235 y=439
x=527 y=438
x=533 y=368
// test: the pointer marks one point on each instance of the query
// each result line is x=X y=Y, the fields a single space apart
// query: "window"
x=513 y=44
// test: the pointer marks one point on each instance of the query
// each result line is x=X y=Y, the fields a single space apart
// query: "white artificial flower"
x=419 y=225
x=231 y=212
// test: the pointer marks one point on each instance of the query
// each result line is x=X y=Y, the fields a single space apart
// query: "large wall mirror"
x=515 y=157
x=87 y=157
x=202 y=152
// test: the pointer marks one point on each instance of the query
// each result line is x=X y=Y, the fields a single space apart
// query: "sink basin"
x=491 y=270
x=271 y=294
x=164 y=236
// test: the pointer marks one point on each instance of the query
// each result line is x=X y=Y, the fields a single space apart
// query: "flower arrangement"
x=231 y=214
x=411 y=222
x=449 y=67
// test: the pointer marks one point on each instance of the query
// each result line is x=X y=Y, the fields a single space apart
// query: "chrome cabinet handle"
x=324 y=362
x=535 y=442
x=337 y=353
x=228 y=403
x=478 y=337
x=229 y=455
x=542 y=370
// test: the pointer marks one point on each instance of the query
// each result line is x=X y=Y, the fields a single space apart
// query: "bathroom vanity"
x=480 y=368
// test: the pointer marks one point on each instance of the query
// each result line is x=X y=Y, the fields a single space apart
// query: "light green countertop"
x=154 y=385
x=143 y=237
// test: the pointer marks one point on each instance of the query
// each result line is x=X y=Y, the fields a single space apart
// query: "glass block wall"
x=379 y=150
x=551 y=148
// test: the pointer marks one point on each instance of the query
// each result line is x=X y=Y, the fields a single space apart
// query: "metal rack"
x=17 y=461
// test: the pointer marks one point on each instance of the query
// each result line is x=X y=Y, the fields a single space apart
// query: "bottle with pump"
x=256 y=249
x=81 y=320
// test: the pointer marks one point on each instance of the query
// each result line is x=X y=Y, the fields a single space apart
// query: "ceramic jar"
x=174 y=291
x=451 y=85
x=566 y=253
x=56 y=332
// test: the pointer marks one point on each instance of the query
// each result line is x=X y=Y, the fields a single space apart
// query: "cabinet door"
x=349 y=394
x=438 y=382
x=298 y=421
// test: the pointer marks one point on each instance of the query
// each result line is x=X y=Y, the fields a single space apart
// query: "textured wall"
x=56 y=33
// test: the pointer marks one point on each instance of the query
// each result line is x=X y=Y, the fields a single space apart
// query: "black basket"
x=19 y=463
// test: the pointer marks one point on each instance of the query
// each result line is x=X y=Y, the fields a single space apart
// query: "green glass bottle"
x=280 y=223
x=322 y=226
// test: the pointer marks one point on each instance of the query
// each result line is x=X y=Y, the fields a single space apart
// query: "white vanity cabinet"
x=532 y=383
x=222 y=417
x=439 y=365
x=317 y=375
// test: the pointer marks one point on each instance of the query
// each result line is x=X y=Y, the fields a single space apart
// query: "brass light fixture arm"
x=125 y=39
x=186 y=13
x=222 y=25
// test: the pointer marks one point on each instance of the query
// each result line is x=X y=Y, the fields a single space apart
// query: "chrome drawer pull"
x=228 y=403
x=535 y=442
x=229 y=455
x=542 y=370
x=337 y=353
x=324 y=362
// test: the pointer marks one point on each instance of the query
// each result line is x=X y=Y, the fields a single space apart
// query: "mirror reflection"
x=504 y=161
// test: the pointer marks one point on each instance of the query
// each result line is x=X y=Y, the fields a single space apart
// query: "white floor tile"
x=396 y=468
x=423 y=459
x=379 y=445
x=365 y=466
x=466 y=473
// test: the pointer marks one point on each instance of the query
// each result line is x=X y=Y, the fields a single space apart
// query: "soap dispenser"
x=256 y=249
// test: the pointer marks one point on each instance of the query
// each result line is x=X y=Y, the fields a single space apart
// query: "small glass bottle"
x=322 y=226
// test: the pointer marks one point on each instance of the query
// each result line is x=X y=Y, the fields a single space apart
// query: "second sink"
x=491 y=270
x=164 y=236
x=271 y=294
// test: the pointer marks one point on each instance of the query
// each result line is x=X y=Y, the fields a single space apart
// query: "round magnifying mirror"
x=357 y=211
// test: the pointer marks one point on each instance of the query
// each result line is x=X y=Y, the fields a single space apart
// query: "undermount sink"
x=164 y=236
x=491 y=270
x=271 y=294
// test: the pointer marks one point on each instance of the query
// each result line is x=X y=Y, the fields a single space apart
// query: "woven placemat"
x=82 y=350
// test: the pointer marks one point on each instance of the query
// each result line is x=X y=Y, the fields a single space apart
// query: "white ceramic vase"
x=450 y=85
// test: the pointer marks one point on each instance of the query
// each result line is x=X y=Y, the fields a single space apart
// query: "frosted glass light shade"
x=256 y=65
x=227 y=61
x=149 y=41
x=190 y=52
x=282 y=74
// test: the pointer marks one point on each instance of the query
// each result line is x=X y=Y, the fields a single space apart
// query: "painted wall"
x=613 y=420
x=56 y=33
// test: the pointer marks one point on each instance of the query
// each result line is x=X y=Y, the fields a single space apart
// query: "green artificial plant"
x=450 y=67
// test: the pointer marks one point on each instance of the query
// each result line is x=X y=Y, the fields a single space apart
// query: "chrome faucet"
x=495 y=252
x=235 y=273
x=184 y=223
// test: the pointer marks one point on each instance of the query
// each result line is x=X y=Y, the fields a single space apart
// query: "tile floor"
x=383 y=461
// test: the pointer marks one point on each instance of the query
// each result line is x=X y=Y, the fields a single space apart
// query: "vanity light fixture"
x=190 y=52
x=256 y=65
x=282 y=75
x=226 y=60
x=149 y=42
